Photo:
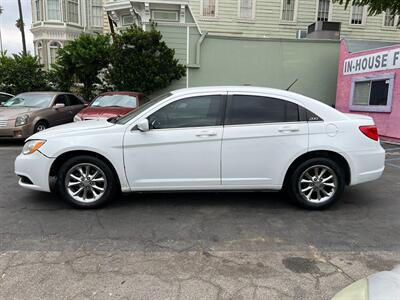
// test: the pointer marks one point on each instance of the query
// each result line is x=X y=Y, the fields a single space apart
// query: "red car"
x=110 y=104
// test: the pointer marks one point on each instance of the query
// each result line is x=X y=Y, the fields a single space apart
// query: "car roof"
x=235 y=89
x=122 y=93
x=325 y=111
x=3 y=93
x=46 y=92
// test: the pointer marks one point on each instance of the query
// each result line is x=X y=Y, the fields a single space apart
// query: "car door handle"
x=289 y=129
x=205 y=133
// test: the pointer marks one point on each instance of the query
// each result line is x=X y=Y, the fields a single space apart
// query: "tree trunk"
x=22 y=29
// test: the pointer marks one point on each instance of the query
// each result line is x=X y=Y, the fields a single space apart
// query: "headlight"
x=21 y=120
x=31 y=146
x=77 y=118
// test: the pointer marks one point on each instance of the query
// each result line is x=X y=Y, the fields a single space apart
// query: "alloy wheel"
x=318 y=184
x=85 y=183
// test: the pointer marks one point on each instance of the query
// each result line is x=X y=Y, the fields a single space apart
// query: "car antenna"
x=288 y=88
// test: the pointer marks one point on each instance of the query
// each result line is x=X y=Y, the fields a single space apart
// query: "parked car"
x=28 y=113
x=110 y=104
x=211 y=138
x=4 y=97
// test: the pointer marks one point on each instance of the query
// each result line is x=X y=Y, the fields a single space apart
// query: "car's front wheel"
x=316 y=183
x=86 y=182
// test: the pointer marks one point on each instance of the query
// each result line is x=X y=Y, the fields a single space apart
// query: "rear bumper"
x=36 y=168
x=367 y=165
x=20 y=132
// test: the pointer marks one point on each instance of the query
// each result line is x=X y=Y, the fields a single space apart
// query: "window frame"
x=165 y=20
x=372 y=108
x=253 y=11
x=229 y=104
x=329 y=11
x=296 y=5
x=363 y=18
x=60 y=12
x=67 y=5
x=202 y=16
x=38 y=10
x=92 y=16
x=51 y=47
x=222 y=113
x=395 y=22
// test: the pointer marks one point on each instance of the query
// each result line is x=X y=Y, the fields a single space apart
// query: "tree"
x=20 y=24
x=141 y=62
x=375 y=7
x=81 y=60
x=21 y=73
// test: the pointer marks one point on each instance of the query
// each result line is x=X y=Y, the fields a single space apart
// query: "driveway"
x=194 y=246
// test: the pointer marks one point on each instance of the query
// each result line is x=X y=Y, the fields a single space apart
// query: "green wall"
x=259 y=62
x=270 y=63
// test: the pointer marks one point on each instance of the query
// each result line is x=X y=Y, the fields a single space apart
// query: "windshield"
x=142 y=108
x=115 y=101
x=29 y=100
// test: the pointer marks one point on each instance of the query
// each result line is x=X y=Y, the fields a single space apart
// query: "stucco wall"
x=388 y=123
x=271 y=63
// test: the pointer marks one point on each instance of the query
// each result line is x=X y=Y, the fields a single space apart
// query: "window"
x=74 y=100
x=244 y=109
x=40 y=52
x=127 y=20
x=63 y=99
x=97 y=13
x=54 y=46
x=165 y=15
x=38 y=10
x=323 y=10
x=189 y=112
x=246 y=9
x=73 y=11
x=288 y=10
x=357 y=15
x=208 y=8
x=390 y=20
x=53 y=10
x=372 y=94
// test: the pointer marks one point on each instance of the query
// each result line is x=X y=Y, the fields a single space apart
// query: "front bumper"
x=367 y=165
x=12 y=132
x=35 y=168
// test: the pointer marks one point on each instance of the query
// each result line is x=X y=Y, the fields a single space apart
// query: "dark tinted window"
x=74 y=100
x=306 y=115
x=62 y=99
x=4 y=98
x=189 y=112
x=244 y=109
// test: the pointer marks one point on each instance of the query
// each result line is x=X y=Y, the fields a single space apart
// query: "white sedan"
x=209 y=138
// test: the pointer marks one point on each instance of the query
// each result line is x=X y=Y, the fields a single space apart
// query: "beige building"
x=263 y=18
x=54 y=22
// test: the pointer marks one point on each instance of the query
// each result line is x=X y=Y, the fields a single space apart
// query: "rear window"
x=246 y=109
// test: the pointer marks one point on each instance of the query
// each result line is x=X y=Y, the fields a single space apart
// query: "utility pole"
x=21 y=27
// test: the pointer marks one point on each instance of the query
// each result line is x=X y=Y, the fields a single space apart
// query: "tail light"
x=370 y=131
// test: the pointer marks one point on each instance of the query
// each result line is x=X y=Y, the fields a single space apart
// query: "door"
x=76 y=105
x=261 y=135
x=182 y=148
x=60 y=115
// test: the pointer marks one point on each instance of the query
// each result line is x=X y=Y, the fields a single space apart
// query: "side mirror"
x=58 y=105
x=143 y=125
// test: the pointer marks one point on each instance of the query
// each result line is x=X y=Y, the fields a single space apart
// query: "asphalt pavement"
x=250 y=245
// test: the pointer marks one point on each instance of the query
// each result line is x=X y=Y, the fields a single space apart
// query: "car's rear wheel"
x=86 y=182
x=316 y=183
x=40 y=126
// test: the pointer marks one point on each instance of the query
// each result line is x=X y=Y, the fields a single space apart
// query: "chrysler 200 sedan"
x=210 y=138
x=28 y=113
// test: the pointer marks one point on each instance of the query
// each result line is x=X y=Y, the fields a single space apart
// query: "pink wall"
x=388 y=123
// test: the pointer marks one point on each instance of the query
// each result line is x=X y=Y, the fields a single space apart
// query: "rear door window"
x=248 y=109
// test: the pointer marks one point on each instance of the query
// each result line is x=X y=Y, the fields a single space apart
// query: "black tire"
x=293 y=187
x=40 y=126
x=111 y=183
